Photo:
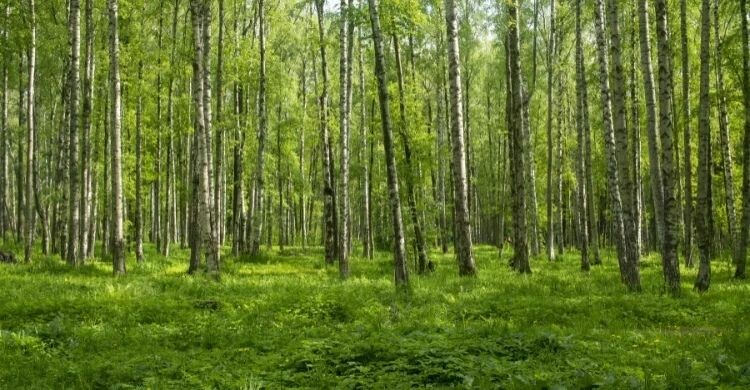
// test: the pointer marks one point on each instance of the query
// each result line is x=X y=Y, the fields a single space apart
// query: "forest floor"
x=285 y=320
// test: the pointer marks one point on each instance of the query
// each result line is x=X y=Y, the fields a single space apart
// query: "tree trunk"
x=628 y=273
x=687 y=118
x=657 y=195
x=329 y=197
x=464 y=251
x=399 y=250
x=4 y=134
x=704 y=217
x=85 y=243
x=582 y=129
x=516 y=138
x=138 y=163
x=741 y=254
x=118 y=244
x=726 y=154
x=550 y=76
x=219 y=192
x=74 y=32
x=29 y=232
x=257 y=226
x=670 y=262
x=345 y=81
x=406 y=143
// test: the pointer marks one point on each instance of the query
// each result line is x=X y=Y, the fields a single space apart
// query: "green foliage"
x=285 y=320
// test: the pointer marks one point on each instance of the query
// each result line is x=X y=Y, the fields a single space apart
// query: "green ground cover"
x=287 y=321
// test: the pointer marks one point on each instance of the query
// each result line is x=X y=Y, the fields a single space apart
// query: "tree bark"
x=628 y=273
x=85 y=244
x=686 y=148
x=399 y=247
x=30 y=122
x=550 y=77
x=516 y=138
x=138 y=164
x=345 y=84
x=741 y=254
x=118 y=244
x=704 y=217
x=74 y=33
x=657 y=195
x=670 y=262
x=726 y=154
x=463 y=242
x=582 y=129
x=329 y=196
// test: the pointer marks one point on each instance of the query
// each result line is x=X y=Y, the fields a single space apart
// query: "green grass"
x=285 y=320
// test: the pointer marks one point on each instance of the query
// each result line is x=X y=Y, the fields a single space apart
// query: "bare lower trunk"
x=741 y=255
x=670 y=263
x=118 y=240
x=463 y=241
x=29 y=232
x=704 y=217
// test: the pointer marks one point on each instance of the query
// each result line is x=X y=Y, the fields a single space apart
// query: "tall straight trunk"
x=367 y=244
x=219 y=206
x=657 y=195
x=399 y=246
x=530 y=171
x=726 y=153
x=156 y=220
x=619 y=106
x=582 y=129
x=257 y=225
x=205 y=221
x=117 y=234
x=406 y=143
x=462 y=222
x=74 y=34
x=4 y=136
x=20 y=174
x=704 y=217
x=517 y=143
x=30 y=121
x=741 y=254
x=138 y=163
x=345 y=84
x=441 y=132
x=686 y=147
x=635 y=156
x=631 y=279
x=237 y=171
x=84 y=243
x=329 y=197
x=550 y=77
x=670 y=262
x=169 y=222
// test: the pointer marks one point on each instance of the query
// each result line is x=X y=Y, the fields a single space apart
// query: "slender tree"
x=399 y=246
x=657 y=196
x=704 y=217
x=74 y=33
x=582 y=127
x=345 y=84
x=117 y=234
x=550 y=77
x=520 y=261
x=462 y=221
x=670 y=263
x=686 y=146
x=628 y=274
x=30 y=122
x=741 y=254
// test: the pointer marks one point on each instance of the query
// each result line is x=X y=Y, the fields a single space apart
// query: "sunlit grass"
x=286 y=320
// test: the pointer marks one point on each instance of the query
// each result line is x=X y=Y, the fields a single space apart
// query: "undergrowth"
x=284 y=320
